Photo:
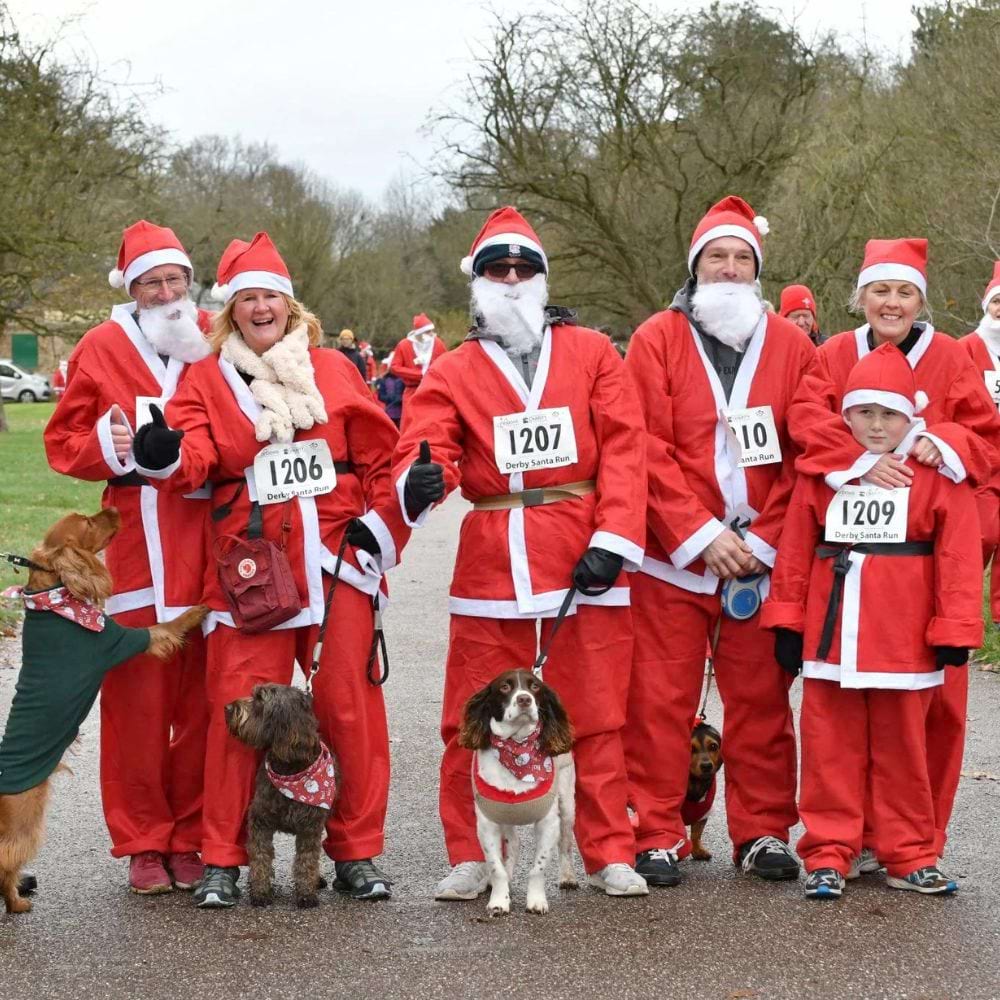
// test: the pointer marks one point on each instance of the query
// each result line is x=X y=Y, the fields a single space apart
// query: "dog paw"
x=701 y=854
x=537 y=906
x=307 y=902
x=258 y=900
x=20 y=905
x=321 y=883
x=568 y=882
x=498 y=910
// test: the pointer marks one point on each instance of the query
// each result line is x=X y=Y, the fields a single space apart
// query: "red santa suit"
x=412 y=358
x=515 y=566
x=217 y=411
x=153 y=713
x=867 y=697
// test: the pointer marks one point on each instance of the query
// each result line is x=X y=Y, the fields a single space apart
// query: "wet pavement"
x=720 y=935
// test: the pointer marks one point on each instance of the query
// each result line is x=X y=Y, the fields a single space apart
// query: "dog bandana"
x=315 y=786
x=693 y=810
x=63 y=603
x=526 y=761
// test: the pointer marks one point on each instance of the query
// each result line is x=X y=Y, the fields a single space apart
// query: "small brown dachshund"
x=66 y=581
x=706 y=762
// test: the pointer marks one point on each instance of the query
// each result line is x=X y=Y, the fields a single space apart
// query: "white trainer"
x=619 y=880
x=866 y=863
x=467 y=880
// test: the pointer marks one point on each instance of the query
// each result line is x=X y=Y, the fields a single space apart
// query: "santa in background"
x=414 y=354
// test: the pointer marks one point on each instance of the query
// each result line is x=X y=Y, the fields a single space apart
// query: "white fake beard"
x=728 y=311
x=989 y=330
x=173 y=330
x=514 y=313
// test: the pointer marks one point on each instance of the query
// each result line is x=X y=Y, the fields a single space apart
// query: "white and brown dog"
x=522 y=775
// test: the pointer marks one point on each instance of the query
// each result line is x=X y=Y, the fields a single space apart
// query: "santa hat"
x=895 y=260
x=143 y=247
x=256 y=264
x=505 y=233
x=796 y=297
x=884 y=376
x=421 y=324
x=993 y=288
x=730 y=217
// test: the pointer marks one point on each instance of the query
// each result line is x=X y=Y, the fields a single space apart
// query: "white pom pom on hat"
x=920 y=401
x=466 y=266
x=761 y=225
x=116 y=278
x=219 y=292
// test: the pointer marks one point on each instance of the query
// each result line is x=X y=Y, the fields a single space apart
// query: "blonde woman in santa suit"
x=270 y=383
x=983 y=345
x=962 y=439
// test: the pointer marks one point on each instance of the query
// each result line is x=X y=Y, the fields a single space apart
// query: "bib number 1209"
x=867 y=514
x=303 y=468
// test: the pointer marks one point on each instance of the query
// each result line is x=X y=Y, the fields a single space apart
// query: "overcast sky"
x=343 y=87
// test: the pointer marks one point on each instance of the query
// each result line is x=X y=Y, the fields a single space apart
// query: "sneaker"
x=218 y=888
x=768 y=858
x=467 y=880
x=28 y=883
x=185 y=869
x=146 y=874
x=930 y=881
x=824 y=883
x=361 y=880
x=658 y=866
x=619 y=880
x=866 y=863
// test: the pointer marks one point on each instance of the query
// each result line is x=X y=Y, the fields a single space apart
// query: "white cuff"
x=400 y=488
x=952 y=468
x=621 y=546
x=764 y=552
x=383 y=536
x=161 y=473
x=862 y=466
x=692 y=547
x=107 y=445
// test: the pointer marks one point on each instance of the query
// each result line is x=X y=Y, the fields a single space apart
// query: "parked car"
x=16 y=383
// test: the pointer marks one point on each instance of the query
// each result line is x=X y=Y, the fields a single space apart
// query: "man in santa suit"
x=413 y=355
x=534 y=419
x=153 y=713
x=798 y=304
x=983 y=345
x=715 y=374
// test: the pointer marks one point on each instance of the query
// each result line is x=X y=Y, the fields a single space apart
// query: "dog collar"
x=60 y=601
x=525 y=760
x=315 y=786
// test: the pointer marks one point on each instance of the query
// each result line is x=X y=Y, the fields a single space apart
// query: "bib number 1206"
x=300 y=469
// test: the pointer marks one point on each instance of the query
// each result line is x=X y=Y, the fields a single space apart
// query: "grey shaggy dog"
x=279 y=719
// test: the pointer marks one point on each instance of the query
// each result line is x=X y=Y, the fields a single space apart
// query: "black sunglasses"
x=499 y=270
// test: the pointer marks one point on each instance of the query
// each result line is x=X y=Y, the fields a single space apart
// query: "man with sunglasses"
x=534 y=419
x=153 y=714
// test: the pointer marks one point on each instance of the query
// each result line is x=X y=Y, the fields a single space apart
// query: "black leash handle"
x=378 y=643
x=543 y=654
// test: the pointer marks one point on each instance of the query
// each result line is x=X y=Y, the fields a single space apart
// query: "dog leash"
x=23 y=561
x=543 y=654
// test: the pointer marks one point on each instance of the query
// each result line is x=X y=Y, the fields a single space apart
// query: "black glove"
x=951 y=656
x=596 y=571
x=788 y=650
x=424 y=484
x=155 y=445
x=360 y=536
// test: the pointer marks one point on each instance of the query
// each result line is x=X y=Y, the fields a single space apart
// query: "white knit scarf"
x=284 y=384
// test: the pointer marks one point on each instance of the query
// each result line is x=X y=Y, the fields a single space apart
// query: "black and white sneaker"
x=362 y=880
x=658 y=866
x=768 y=858
x=930 y=880
x=218 y=889
x=824 y=883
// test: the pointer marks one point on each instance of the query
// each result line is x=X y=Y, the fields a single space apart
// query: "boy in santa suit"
x=533 y=417
x=153 y=713
x=715 y=375
x=413 y=356
x=983 y=345
x=871 y=662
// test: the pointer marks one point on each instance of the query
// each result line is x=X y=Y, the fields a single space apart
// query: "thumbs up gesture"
x=424 y=483
x=121 y=436
x=155 y=445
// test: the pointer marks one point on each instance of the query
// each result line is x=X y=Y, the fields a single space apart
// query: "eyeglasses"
x=175 y=283
x=498 y=270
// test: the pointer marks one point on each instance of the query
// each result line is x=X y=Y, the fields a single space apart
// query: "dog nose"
x=706 y=766
x=524 y=701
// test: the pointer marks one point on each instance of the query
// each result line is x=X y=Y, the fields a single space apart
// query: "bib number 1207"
x=542 y=439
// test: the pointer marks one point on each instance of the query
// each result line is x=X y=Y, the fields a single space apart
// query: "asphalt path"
x=720 y=935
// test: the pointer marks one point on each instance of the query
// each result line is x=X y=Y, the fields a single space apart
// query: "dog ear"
x=475 y=731
x=82 y=573
x=557 y=731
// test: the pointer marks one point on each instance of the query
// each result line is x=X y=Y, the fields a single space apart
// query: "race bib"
x=544 y=439
x=300 y=469
x=992 y=380
x=755 y=435
x=867 y=514
x=142 y=405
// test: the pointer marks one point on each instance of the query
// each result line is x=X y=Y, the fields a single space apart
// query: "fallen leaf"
x=981 y=775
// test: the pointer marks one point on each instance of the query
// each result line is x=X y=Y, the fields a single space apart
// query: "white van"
x=16 y=383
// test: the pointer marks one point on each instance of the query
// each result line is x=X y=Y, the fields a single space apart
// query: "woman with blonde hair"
x=298 y=452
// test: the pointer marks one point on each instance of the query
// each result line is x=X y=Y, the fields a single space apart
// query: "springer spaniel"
x=522 y=775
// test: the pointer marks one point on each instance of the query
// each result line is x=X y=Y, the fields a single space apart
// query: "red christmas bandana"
x=64 y=604
x=315 y=786
x=526 y=761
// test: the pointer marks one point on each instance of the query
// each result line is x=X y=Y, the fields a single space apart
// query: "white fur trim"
x=762 y=550
x=744 y=233
x=147 y=261
x=890 y=400
x=420 y=329
x=706 y=583
x=890 y=271
x=514 y=239
x=116 y=278
x=991 y=293
x=693 y=546
x=761 y=225
x=219 y=292
x=259 y=279
x=630 y=552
